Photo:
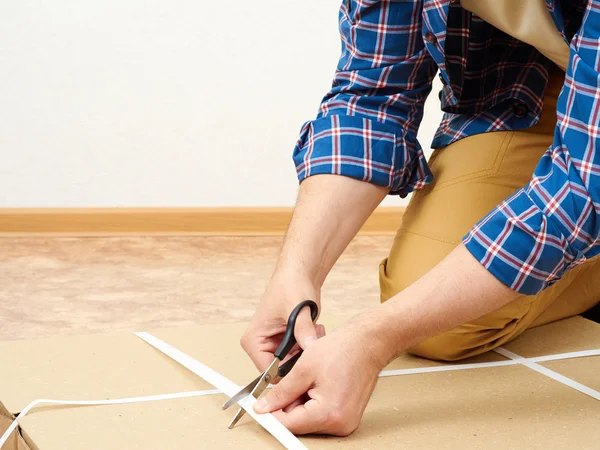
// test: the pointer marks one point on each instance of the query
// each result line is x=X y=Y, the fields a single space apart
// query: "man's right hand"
x=266 y=329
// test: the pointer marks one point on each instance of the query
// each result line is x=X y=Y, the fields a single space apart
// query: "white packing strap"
x=119 y=401
x=510 y=362
x=549 y=373
x=447 y=368
x=229 y=388
x=581 y=354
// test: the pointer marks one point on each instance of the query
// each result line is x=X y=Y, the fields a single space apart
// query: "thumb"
x=289 y=389
x=305 y=330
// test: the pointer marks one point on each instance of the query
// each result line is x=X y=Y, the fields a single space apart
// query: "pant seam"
x=433 y=238
x=475 y=175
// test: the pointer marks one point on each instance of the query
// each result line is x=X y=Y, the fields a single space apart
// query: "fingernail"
x=308 y=341
x=261 y=404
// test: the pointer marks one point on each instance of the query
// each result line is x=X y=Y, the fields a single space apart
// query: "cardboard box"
x=495 y=407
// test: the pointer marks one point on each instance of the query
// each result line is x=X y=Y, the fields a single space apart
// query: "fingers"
x=261 y=355
x=304 y=418
x=305 y=330
x=314 y=417
x=262 y=360
x=289 y=389
x=320 y=331
x=298 y=402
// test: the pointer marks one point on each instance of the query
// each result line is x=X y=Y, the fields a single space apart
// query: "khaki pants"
x=472 y=176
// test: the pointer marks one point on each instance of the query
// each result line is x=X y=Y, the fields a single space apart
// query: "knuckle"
x=339 y=423
x=278 y=394
x=347 y=428
x=280 y=391
x=335 y=419
x=244 y=342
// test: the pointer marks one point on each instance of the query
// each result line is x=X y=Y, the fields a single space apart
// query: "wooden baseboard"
x=168 y=221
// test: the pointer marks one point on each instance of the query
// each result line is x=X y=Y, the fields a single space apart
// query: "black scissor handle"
x=287 y=366
x=289 y=340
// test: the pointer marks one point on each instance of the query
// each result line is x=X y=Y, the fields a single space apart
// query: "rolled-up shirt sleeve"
x=367 y=124
x=553 y=224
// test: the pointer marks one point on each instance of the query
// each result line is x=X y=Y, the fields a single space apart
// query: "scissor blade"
x=243 y=393
x=269 y=375
x=236 y=418
x=265 y=378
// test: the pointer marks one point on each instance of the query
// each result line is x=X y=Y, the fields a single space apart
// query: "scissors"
x=258 y=385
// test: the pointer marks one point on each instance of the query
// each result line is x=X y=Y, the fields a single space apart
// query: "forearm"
x=459 y=289
x=330 y=210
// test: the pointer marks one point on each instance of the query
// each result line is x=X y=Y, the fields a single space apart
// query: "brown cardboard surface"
x=217 y=346
x=92 y=367
x=583 y=370
x=5 y=421
x=21 y=445
x=15 y=441
x=492 y=408
x=564 y=336
x=502 y=407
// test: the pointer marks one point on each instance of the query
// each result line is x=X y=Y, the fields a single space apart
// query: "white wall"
x=161 y=103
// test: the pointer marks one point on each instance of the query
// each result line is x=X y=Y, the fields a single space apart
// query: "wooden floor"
x=52 y=286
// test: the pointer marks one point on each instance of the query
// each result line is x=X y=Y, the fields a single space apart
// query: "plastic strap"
x=228 y=387
x=118 y=401
x=549 y=373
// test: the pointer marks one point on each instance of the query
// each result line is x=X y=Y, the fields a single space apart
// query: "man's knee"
x=411 y=257
x=474 y=338
x=391 y=283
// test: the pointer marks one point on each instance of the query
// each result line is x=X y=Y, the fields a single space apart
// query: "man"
x=503 y=231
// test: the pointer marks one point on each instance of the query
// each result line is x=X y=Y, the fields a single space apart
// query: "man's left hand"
x=329 y=387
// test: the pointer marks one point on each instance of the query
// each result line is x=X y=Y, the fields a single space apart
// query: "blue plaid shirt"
x=367 y=124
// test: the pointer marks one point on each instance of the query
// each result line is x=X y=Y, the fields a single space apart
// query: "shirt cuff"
x=360 y=148
x=521 y=246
